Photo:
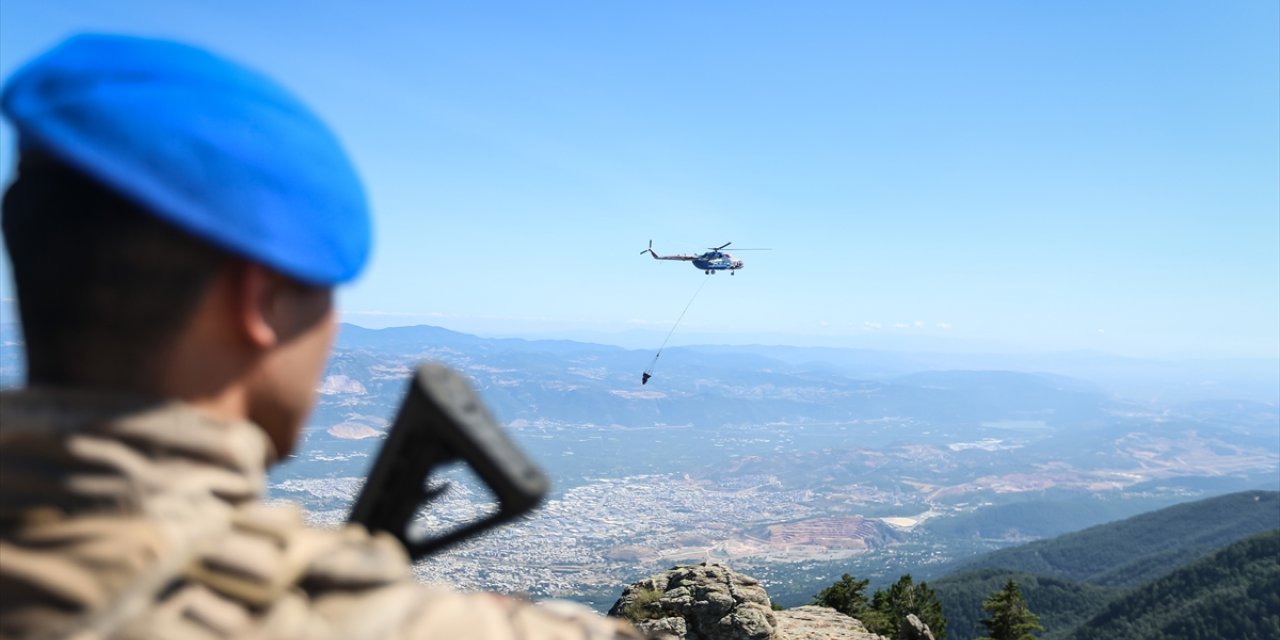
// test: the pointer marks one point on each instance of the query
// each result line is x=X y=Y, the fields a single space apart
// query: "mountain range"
x=568 y=381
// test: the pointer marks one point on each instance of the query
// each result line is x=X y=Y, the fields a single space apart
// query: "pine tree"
x=905 y=597
x=885 y=613
x=847 y=595
x=1010 y=618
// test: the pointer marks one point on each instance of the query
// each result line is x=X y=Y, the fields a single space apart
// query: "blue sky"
x=995 y=175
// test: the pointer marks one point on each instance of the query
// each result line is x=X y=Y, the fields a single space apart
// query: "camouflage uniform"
x=127 y=518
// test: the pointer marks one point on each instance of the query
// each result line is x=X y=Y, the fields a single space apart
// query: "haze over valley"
x=794 y=465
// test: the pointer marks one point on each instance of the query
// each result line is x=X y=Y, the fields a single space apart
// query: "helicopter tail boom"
x=655 y=255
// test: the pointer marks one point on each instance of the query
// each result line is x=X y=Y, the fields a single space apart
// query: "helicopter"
x=710 y=262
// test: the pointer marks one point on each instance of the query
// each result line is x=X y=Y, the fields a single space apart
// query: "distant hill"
x=1068 y=579
x=1182 y=381
x=1136 y=550
x=1049 y=517
x=1187 y=382
x=1234 y=593
x=576 y=382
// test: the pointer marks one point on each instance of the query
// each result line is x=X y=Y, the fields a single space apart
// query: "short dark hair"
x=101 y=283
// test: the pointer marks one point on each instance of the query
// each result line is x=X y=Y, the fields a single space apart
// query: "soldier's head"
x=176 y=228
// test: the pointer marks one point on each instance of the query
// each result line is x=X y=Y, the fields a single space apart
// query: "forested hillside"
x=1061 y=604
x=1234 y=593
x=1139 y=549
x=1068 y=579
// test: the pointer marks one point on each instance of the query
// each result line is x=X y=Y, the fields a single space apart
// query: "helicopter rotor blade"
x=721 y=246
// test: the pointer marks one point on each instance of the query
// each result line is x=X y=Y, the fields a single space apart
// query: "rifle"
x=440 y=421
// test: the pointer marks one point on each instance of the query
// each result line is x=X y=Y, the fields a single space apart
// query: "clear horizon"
x=1040 y=177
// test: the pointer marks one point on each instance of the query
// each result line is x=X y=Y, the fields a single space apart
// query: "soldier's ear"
x=256 y=288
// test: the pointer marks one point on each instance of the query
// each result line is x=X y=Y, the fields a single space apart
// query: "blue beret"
x=203 y=143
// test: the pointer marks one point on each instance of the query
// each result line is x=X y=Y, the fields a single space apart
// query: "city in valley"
x=796 y=504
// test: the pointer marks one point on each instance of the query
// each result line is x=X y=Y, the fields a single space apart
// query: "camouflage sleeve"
x=444 y=613
x=103 y=537
x=356 y=585
x=257 y=572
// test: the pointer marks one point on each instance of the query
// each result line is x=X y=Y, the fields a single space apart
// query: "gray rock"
x=915 y=629
x=819 y=623
x=749 y=620
x=663 y=629
x=714 y=603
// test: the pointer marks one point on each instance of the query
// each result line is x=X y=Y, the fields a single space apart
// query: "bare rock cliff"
x=713 y=602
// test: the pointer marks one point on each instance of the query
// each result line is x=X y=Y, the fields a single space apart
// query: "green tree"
x=885 y=613
x=1010 y=618
x=847 y=595
x=905 y=597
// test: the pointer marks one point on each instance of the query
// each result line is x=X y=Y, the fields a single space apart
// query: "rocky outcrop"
x=713 y=602
x=915 y=629
x=819 y=623
x=663 y=629
x=710 y=602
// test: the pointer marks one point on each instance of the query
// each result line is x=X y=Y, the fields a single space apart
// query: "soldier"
x=176 y=228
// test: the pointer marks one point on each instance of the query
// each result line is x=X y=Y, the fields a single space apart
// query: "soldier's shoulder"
x=256 y=570
x=269 y=550
x=180 y=567
x=348 y=583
